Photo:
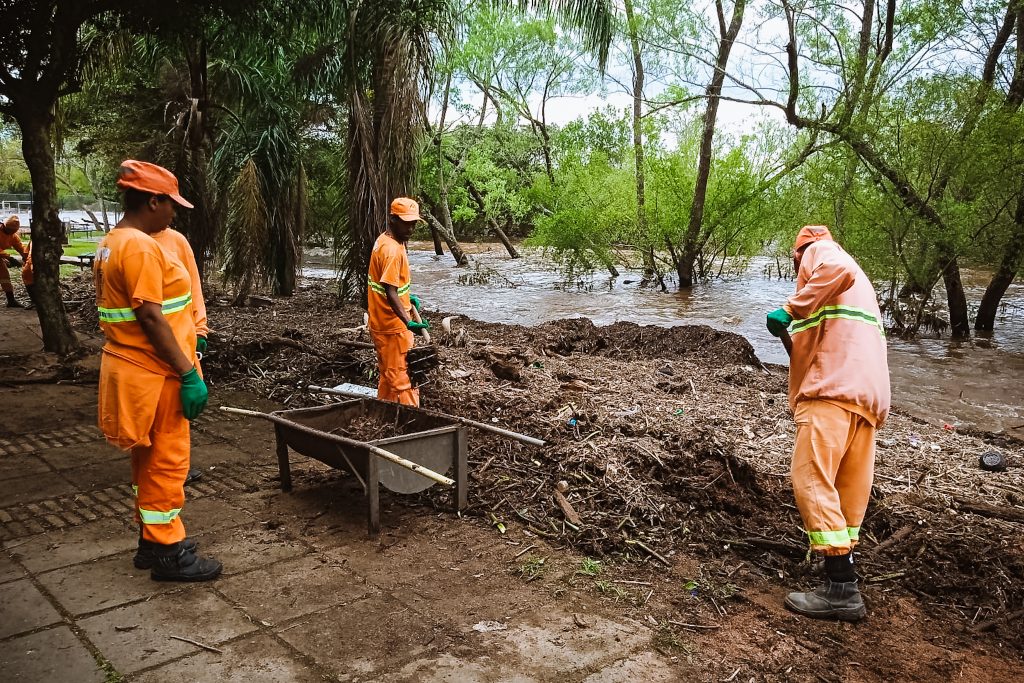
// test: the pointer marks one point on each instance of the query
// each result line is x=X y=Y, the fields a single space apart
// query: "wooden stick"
x=787 y=342
x=651 y=552
x=198 y=644
x=567 y=509
x=379 y=452
x=416 y=316
x=483 y=426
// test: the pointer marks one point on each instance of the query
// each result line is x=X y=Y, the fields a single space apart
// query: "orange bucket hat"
x=146 y=177
x=406 y=209
x=811 y=233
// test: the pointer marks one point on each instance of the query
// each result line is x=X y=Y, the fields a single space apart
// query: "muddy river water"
x=976 y=384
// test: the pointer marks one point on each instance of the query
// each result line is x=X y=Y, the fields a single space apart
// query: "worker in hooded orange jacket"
x=177 y=244
x=390 y=304
x=150 y=385
x=839 y=394
x=10 y=239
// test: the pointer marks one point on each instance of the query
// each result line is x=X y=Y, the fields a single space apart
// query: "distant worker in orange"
x=390 y=304
x=177 y=244
x=150 y=385
x=839 y=394
x=10 y=239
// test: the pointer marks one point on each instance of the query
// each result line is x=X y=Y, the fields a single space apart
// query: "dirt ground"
x=673 y=446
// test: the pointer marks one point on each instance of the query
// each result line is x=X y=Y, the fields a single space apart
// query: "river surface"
x=976 y=384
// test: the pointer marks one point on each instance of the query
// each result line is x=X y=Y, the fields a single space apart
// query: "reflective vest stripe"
x=379 y=288
x=836 y=312
x=854 y=532
x=158 y=517
x=839 y=538
x=127 y=315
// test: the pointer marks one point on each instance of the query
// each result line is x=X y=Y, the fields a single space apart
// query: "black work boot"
x=145 y=556
x=12 y=302
x=193 y=476
x=30 y=290
x=831 y=600
x=175 y=563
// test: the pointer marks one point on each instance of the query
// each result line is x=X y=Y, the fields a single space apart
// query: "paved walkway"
x=306 y=595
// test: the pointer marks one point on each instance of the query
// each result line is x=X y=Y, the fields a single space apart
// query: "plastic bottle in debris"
x=350 y=388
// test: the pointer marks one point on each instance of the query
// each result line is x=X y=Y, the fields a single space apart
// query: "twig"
x=992 y=623
x=198 y=644
x=731 y=678
x=710 y=627
x=651 y=552
x=524 y=551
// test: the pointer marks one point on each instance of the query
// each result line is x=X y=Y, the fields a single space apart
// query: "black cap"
x=992 y=461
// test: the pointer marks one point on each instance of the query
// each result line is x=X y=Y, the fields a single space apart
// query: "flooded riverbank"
x=978 y=384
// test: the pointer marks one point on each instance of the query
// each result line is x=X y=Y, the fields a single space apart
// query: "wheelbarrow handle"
x=380 y=452
x=416 y=317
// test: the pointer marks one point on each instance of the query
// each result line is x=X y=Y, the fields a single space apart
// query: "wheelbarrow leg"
x=461 y=471
x=372 y=495
x=283 y=466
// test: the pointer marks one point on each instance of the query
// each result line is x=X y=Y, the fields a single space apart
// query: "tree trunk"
x=1013 y=256
x=58 y=337
x=436 y=237
x=438 y=228
x=495 y=228
x=638 y=140
x=691 y=244
x=956 y=299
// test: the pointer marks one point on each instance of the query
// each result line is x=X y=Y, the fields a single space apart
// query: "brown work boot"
x=176 y=563
x=831 y=600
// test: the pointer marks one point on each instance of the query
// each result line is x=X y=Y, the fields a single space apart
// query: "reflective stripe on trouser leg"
x=394 y=384
x=831 y=472
x=162 y=468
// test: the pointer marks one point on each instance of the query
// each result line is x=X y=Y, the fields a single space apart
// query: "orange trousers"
x=159 y=470
x=394 y=384
x=833 y=467
x=5 y=275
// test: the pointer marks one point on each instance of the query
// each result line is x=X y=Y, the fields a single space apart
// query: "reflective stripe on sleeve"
x=379 y=288
x=836 y=312
x=127 y=315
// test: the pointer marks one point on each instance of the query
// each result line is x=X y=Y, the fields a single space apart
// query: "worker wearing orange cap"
x=177 y=244
x=390 y=304
x=839 y=394
x=150 y=386
x=10 y=239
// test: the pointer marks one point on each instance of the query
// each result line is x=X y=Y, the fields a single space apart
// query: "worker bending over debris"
x=10 y=239
x=390 y=305
x=839 y=394
x=150 y=385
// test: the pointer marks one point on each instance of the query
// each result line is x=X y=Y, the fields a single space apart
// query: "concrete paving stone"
x=255 y=660
x=468 y=598
x=244 y=549
x=206 y=514
x=647 y=667
x=364 y=639
x=136 y=637
x=291 y=589
x=61 y=548
x=78 y=455
x=219 y=453
x=449 y=669
x=548 y=644
x=18 y=490
x=375 y=561
x=51 y=655
x=23 y=608
x=9 y=570
x=101 y=584
x=253 y=437
x=12 y=466
x=100 y=475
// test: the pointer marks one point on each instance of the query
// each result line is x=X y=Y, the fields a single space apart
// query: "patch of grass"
x=533 y=568
x=609 y=588
x=590 y=567
x=666 y=641
x=110 y=674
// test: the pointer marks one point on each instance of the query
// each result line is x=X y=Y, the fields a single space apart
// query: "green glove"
x=413 y=325
x=778 y=321
x=201 y=344
x=193 y=394
x=415 y=300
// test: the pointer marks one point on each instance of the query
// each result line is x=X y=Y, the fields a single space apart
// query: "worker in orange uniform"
x=390 y=304
x=177 y=244
x=839 y=394
x=10 y=239
x=150 y=386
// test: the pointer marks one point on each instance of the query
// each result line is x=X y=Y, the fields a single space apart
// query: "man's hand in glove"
x=201 y=344
x=415 y=301
x=778 y=321
x=415 y=326
x=194 y=394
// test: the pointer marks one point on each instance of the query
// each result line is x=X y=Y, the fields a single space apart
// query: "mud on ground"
x=674 y=445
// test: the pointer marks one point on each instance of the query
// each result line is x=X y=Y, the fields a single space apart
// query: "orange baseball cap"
x=406 y=209
x=13 y=222
x=146 y=177
x=811 y=233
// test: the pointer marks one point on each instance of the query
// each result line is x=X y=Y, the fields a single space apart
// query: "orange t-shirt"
x=12 y=241
x=389 y=265
x=131 y=269
x=177 y=245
